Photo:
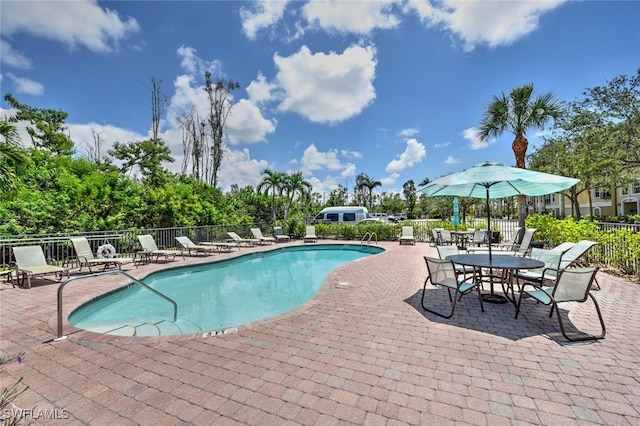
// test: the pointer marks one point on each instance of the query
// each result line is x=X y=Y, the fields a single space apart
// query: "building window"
x=602 y=193
x=550 y=198
x=636 y=187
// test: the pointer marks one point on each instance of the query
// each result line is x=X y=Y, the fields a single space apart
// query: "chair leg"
x=588 y=336
x=453 y=303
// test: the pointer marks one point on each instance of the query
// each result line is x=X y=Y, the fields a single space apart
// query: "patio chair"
x=30 y=261
x=278 y=233
x=511 y=245
x=248 y=242
x=257 y=234
x=573 y=256
x=444 y=251
x=479 y=237
x=85 y=256
x=548 y=274
x=407 y=236
x=524 y=248
x=573 y=285
x=310 y=235
x=149 y=246
x=445 y=236
x=192 y=247
x=442 y=273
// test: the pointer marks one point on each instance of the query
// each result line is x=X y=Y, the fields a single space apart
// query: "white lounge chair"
x=407 y=235
x=310 y=236
x=239 y=240
x=257 y=234
x=30 y=261
x=85 y=256
x=192 y=247
x=279 y=234
x=149 y=246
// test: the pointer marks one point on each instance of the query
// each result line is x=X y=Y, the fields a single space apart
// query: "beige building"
x=621 y=201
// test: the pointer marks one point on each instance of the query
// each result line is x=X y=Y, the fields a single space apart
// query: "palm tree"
x=11 y=156
x=518 y=113
x=274 y=182
x=295 y=184
x=364 y=181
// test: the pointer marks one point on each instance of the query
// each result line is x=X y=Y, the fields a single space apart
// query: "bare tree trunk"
x=219 y=109
x=156 y=107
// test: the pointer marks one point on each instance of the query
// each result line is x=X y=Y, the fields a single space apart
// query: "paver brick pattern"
x=362 y=351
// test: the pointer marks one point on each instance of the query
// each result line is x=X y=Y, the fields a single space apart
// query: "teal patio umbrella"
x=491 y=180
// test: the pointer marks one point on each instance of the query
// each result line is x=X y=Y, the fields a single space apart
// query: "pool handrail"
x=119 y=272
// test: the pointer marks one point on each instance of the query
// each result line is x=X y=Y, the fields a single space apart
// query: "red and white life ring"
x=106 y=251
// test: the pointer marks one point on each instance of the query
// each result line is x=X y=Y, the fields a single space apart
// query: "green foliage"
x=556 y=231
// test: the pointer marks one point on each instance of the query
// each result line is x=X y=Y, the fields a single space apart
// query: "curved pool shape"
x=216 y=297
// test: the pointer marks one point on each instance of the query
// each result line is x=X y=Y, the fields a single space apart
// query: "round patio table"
x=507 y=263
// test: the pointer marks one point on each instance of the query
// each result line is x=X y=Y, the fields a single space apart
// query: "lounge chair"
x=573 y=285
x=30 y=261
x=85 y=256
x=279 y=234
x=149 y=245
x=442 y=273
x=407 y=236
x=239 y=240
x=257 y=234
x=192 y=247
x=310 y=235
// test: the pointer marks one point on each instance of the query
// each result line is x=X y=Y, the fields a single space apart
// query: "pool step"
x=159 y=328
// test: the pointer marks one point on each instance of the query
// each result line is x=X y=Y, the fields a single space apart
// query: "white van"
x=348 y=214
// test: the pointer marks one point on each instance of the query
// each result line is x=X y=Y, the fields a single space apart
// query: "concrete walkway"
x=362 y=351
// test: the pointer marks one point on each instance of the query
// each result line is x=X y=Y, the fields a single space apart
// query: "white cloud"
x=246 y=123
x=480 y=22
x=327 y=88
x=74 y=23
x=408 y=132
x=452 y=160
x=14 y=59
x=260 y=90
x=359 y=17
x=471 y=135
x=414 y=153
x=264 y=14
x=442 y=145
x=25 y=86
x=239 y=168
x=312 y=160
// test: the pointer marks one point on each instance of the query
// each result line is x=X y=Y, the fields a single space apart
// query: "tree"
x=47 y=126
x=409 y=191
x=148 y=155
x=220 y=106
x=518 y=113
x=273 y=182
x=365 y=182
x=11 y=156
x=293 y=185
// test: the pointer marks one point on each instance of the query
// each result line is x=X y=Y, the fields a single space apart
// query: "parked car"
x=399 y=217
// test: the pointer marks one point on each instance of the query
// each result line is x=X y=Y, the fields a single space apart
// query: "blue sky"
x=332 y=88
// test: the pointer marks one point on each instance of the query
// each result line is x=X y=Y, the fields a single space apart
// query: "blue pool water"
x=219 y=295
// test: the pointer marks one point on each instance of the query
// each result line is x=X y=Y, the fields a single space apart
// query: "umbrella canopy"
x=500 y=181
x=495 y=180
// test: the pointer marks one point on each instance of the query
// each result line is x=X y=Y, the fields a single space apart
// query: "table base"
x=494 y=298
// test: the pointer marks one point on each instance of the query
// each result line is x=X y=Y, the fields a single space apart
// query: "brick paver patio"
x=362 y=351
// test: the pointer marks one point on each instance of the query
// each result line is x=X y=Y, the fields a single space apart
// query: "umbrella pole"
x=489 y=235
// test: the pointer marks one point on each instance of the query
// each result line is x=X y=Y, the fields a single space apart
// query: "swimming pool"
x=219 y=296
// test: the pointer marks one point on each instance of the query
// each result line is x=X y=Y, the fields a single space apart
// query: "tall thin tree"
x=220 y=106
x=518 y=113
